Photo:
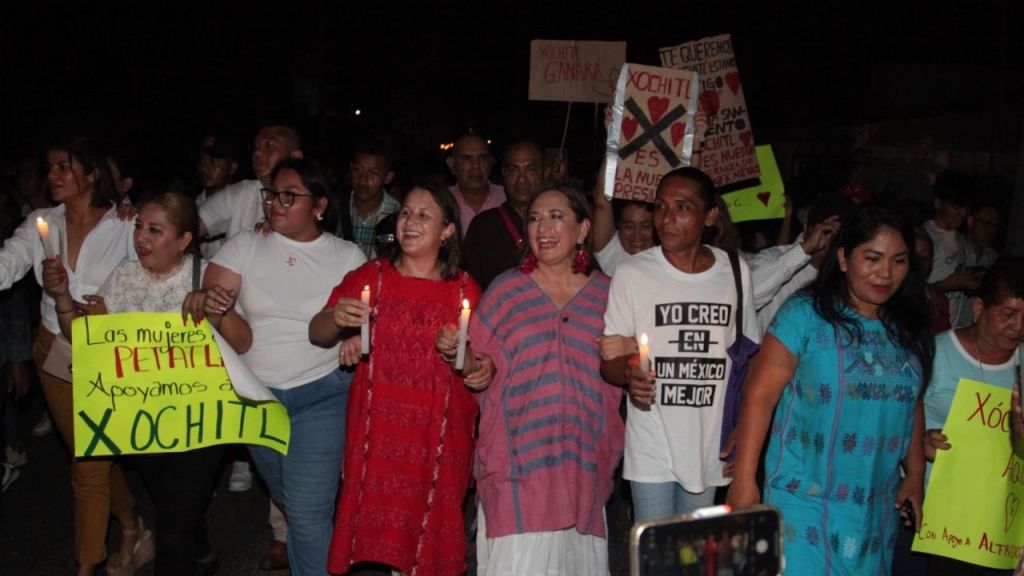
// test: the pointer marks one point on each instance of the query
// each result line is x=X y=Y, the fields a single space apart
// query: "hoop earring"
x=443 y=242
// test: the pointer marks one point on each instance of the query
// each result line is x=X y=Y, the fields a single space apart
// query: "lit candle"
x=44 y=235
x=364 y=331
x=460 y=354
x=645 y=354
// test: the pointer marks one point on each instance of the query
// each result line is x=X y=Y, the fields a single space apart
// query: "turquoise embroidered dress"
x=841 y=427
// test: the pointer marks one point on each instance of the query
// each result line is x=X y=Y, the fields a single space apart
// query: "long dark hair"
x=451 y=250
x=314 y=178
x=90 y=155
x=577 y=203
x=905 y=315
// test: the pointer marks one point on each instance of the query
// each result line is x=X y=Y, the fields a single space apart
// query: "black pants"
x=181 y=485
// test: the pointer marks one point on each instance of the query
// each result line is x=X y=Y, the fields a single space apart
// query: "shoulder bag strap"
x=509 y=225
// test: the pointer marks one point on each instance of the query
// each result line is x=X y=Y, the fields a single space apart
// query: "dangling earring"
x=320 y=217
x=581 y=260
x=529 y=264
x=443 y=242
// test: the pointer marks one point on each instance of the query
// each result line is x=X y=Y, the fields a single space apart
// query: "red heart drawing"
x=745 y=137
x=678 y=130
x=657 y=107
x=764 y=197
x=733 y=80
x=709 y=101
x=629 y=127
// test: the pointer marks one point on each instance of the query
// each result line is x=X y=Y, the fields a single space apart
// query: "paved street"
x=36 y=523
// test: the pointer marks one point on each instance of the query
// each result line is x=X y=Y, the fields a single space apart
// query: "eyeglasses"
x=284 y=197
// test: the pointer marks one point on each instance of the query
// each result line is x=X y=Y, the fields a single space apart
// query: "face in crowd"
x=66 y=177
x=554 y=228
x=681 y=213
x=370 y=174
x=636 y=228
x=292 y=208
x=875 y=270
x=421 y=227
x=471 y=163
x=214 y=173
x=272 y=144
x=159 y=241
x=522 y=172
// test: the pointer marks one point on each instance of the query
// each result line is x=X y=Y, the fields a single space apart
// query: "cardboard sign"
x=727 y=146
x=972 y=507
x=763 y=202
x=651 y=131
x=574 y=71
x=145 y=383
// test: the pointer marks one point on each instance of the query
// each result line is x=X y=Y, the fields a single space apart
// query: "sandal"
x=142 y=552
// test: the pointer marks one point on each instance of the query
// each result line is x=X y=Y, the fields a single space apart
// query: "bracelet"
x=68 y=311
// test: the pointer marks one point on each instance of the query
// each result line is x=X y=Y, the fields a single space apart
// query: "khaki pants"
x=98 y=485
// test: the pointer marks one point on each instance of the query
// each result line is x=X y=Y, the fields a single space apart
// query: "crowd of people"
x=602 y=332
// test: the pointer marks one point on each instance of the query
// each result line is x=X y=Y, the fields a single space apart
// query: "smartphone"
x=709 y=541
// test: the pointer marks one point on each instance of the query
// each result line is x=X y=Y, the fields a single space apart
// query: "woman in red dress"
x=409 y=437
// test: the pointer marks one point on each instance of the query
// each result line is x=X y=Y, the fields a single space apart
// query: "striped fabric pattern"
x=550 y=432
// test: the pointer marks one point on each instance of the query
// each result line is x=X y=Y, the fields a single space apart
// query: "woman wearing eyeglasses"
x=260 y=292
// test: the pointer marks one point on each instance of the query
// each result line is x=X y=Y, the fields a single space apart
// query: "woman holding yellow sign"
x=180 y=483
x=987 y=351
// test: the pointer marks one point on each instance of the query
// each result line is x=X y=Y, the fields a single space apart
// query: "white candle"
x=645 y=354
x=460 y=354
x=44 y=235
x=364 y=331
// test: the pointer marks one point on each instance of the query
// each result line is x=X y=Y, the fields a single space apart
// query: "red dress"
x=409 y=431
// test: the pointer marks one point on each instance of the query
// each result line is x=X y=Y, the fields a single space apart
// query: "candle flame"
x=643 y=339
x=43 y=226
x=366 y=288
x=465 y=304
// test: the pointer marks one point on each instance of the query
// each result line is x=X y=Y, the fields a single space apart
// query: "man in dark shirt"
x=493 y=241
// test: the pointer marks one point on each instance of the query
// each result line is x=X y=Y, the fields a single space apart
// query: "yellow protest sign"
x=973 y=498
x=145 y=383
x=762 y=202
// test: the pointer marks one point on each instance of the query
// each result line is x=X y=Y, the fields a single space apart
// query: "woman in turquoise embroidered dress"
x=842 y=368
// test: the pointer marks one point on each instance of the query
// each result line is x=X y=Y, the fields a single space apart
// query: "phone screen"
x=742 y=544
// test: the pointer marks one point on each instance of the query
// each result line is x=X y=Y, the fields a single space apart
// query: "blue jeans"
x=305 y=482
x=658 y=499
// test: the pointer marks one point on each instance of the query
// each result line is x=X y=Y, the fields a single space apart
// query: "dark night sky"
x=155 y=75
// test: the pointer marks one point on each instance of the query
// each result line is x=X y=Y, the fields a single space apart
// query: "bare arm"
x=222 y=287
x=770 y=371
x=602 y=228
x=339 y=322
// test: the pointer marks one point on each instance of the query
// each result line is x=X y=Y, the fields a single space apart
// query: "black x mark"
x=652 y=133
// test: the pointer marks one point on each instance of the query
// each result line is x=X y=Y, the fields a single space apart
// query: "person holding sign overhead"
x=842 y=366
x=987 y=351
x=410 y=420
x=550 y=430
x=181 y=483
x=85 y=240
x=260 y=292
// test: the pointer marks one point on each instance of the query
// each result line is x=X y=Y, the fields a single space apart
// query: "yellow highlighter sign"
x=145 y=383
x=972 y=503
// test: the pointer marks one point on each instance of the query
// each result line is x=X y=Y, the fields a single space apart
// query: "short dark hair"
x=953 y=187
x=619 y=206
x=287 y=131
x=705 y=185
x=314 y=178
x=451 y=251
x=90 y=154
x=375 y=147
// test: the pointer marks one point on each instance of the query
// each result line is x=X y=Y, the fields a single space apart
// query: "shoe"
x=241 y=477
x=16 y=459
x=8 y=474
x=275 y=558
x=143 y=552
x=44 y=426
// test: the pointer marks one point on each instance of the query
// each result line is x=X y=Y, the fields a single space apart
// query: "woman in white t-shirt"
x=682 y=294
x=90 y=240
x=261 y=291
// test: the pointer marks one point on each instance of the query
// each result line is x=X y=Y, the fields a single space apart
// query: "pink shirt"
x=495 y=198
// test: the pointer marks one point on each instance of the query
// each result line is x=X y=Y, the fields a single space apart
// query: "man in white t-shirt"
x=949 y=274
x=216 y=169
x=239 y=207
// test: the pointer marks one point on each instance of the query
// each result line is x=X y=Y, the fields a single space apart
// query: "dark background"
x=154 y=76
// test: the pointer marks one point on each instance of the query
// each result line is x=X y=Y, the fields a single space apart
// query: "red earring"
x=529 y=263
x=581 y=260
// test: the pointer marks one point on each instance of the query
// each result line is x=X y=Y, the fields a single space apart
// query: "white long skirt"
x=559 y=553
